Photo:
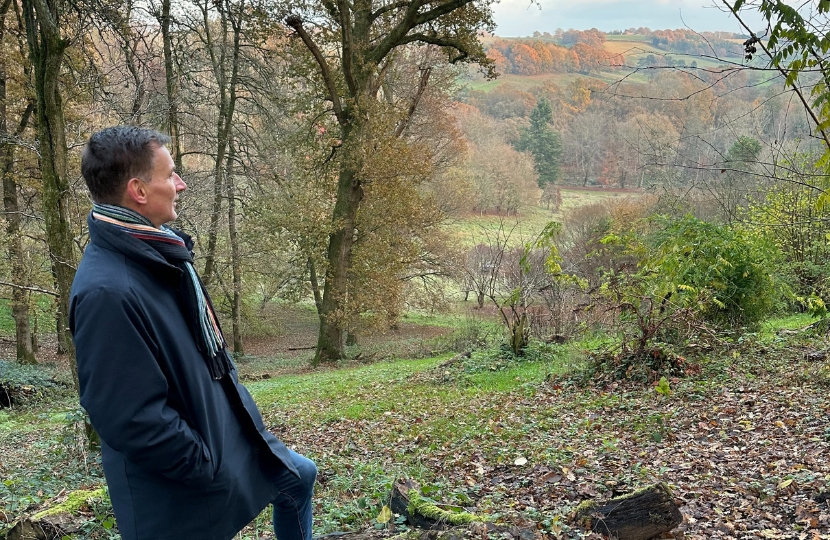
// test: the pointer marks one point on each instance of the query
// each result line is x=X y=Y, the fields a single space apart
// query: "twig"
x=26 y=288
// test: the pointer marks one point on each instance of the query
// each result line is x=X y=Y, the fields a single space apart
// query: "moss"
x=75 y=500
x=582 y=513
x=420 y=505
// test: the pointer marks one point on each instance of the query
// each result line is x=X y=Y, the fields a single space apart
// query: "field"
x=473 y=229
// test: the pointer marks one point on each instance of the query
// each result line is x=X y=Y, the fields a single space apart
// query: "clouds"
x=521 y=18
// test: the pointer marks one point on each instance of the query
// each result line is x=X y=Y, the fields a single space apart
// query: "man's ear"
x=136 y=191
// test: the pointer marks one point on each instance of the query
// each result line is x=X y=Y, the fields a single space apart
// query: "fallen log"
x=60 y=519
x=639 y=515
x=406 y=500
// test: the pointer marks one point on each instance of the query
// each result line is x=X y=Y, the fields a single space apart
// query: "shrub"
x=729 y=276
x=791 y=216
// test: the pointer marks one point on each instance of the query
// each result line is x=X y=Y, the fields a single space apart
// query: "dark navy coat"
x=185 y=456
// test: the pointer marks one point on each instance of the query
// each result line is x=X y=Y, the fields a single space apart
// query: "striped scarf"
x=174 y=250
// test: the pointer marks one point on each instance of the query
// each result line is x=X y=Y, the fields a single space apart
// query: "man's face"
x=162 y=189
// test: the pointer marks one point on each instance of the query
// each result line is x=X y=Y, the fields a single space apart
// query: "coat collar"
x=108 y=237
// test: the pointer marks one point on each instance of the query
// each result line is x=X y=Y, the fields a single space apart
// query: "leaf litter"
x=744 y=445
x=746 y=450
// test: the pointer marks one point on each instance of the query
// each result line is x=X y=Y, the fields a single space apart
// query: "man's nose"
x=180 y=185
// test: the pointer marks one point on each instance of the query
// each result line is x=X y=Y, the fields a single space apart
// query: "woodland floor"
x=746 y=450
x=744 y=443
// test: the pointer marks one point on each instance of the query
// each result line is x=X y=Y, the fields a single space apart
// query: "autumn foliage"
x=536 y=57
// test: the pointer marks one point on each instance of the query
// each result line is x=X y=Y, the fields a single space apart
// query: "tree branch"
x=783 y=72
x=407 y=23
x=347 y=40
x=387 y=8
x=25 y=288
x=295 y=22
x=422 y=86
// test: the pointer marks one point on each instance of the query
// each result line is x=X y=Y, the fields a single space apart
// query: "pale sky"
x=520 y=18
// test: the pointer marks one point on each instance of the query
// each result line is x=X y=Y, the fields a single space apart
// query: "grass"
x=475 y=229
x=530 y=221
x=454 y=319
x=626 y=37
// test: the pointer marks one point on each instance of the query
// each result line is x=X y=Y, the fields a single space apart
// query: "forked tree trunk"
x=364 y=48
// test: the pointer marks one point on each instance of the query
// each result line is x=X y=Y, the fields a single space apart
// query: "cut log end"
x=639 y=515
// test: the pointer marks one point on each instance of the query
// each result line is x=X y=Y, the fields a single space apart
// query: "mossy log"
x=639 y=515
x=420 y=512
x=62 y=518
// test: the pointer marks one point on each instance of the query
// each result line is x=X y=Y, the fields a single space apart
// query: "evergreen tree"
x=543 y=143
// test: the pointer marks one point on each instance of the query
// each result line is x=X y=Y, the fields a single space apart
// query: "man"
x=184 y=448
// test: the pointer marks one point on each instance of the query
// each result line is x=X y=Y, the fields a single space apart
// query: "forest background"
x=643 y=194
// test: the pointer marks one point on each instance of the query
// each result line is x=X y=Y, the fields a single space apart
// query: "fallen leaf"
x=385 y=515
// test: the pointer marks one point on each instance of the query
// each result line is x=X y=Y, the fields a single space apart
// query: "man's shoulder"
x=102 y=269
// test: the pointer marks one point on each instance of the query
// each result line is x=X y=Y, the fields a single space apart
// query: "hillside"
x=613 y=57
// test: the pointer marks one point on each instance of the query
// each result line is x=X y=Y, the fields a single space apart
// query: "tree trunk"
x=11 y=209
x=213 y=227
x=46 y=48
x=171 y=79
x=349 y=194
x=236 y=263
x=315 y=285
x=227 y=104
x=122 y=22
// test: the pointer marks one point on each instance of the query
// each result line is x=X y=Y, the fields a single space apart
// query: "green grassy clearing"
x=43 y=311
x=530 y=221
x=627 y=37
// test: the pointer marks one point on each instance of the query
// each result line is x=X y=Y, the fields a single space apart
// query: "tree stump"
x=639 y=515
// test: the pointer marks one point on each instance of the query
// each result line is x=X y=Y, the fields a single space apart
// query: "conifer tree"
x=543 y=143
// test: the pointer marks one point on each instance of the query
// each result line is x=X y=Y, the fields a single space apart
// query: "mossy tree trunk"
x=640 y=515
x=11 y=208
x=46 y=50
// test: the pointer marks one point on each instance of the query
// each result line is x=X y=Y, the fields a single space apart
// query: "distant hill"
x=562 y=57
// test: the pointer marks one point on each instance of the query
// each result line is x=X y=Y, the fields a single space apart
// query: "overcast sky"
x=519 y=18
